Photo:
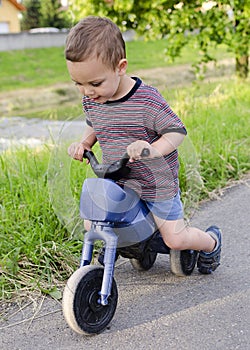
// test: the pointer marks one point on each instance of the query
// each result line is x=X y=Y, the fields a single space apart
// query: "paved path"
x=157 y=310
x=34 y=132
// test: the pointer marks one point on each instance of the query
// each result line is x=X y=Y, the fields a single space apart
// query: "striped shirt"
x=143 y=114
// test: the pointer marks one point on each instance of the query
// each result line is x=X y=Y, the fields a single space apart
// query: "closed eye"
x=96 y=84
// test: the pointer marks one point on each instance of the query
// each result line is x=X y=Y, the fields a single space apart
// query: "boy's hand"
x=135 y=149
x=77 y=149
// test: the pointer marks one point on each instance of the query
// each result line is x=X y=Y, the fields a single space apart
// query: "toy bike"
x=123 y=222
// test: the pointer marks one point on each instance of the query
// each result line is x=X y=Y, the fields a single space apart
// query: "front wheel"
x=81 y=307
x=182 y=262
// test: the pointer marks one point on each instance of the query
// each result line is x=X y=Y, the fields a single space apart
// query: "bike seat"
x=104 y=200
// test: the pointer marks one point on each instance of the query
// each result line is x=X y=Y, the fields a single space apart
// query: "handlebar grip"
x=91 y=158
x=88 y=154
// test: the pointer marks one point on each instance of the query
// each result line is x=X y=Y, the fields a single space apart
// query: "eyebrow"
x=90 y=82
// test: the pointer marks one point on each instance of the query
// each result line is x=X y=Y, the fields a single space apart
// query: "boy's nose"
x=85 y=91
x=88 y=92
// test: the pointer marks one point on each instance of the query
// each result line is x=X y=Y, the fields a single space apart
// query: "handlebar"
x=114 y=171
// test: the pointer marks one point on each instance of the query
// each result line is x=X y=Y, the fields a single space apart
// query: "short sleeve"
x=88 y=122
x=167 y=121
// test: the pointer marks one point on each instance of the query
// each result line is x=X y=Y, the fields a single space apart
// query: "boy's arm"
x=165 y=145
x=76 y=149
x=88 y=138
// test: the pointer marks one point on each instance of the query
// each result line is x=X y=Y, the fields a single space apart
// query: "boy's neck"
x=125 y=86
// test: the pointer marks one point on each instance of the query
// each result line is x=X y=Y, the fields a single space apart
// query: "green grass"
x=36 y=252
x=151 y=54
x=42 y=67
x=217 y=119
x=31 y=68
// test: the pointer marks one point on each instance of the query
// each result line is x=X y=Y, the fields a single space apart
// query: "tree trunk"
x=242 y=66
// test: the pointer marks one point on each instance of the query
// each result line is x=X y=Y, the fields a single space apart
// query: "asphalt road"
x=157 y=310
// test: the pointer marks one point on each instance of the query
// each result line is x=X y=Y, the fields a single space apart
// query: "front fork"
x=99 y=231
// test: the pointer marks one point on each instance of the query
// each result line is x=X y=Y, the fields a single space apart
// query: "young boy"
x=124 y=114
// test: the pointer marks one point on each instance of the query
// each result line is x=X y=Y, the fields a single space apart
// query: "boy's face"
x=96 y=80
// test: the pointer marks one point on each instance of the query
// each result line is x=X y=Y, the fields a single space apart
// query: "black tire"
x=145 y=262
x=80 y=304
x=182 y=262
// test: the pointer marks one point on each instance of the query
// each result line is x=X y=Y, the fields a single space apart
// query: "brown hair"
x=95 y=36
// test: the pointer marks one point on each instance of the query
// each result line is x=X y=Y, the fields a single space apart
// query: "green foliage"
x=32 y=14
x=204 y=23
x=52 y=15
x=206 y=27
x=44 y=14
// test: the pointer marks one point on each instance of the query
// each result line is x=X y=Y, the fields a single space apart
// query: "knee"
x=174 y=242
x=174 y=233
x=87 y=225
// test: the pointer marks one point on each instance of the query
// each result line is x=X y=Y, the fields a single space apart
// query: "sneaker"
x=208 y=262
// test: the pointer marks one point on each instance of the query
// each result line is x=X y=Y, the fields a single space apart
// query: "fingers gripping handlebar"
x=114 y=171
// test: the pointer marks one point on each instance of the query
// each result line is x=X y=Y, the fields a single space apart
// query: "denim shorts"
x=170 y=209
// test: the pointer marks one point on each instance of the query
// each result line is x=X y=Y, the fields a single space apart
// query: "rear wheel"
x=81 y=307
x=145 y=262
x=182 y=262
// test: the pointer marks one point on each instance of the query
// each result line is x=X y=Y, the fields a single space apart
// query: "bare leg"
x=177 y=235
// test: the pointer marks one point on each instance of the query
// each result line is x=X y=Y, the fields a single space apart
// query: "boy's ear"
x=122 y=66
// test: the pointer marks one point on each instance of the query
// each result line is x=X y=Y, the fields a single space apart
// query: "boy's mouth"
x=95 y=98
x=98 y=99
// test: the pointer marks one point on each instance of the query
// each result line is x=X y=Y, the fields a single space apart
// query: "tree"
x=209 y=23
x=47 y=13
x=52 y=14
x=31 y=17
x=204 y=23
